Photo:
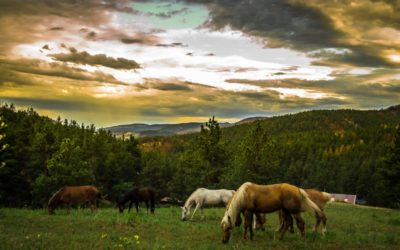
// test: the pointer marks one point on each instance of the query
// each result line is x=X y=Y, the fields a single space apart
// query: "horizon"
x=117 y=62
x=216 y=118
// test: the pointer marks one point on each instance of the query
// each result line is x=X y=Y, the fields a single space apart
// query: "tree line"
x=341 y=151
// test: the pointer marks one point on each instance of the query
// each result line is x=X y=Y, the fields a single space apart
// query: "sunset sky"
x=111 y=62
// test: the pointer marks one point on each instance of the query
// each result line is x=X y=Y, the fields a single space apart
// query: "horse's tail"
x=308 y=204
x=152 y=201
x=101 y=198
x=55 y=198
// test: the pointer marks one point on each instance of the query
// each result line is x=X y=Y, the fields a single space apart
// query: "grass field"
x=349 y=227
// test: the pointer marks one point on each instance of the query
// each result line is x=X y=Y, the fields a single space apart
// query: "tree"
x=3 y=145
x=259 y=156
x=212 y=151
x=67 y=166
x=391 y=172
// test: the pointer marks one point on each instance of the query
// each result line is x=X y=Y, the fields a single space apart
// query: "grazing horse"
x=74 y=195
x=144 y=194
x=251 y=198
x=203 y=196
x=320 y=199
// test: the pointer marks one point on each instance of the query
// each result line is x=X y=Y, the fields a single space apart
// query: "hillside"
x=304 y=121
x=338 y=151
x=144 y=130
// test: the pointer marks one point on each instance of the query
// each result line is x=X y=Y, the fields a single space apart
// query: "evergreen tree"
x=212 y=151
x=391 y=173
x=3 y=144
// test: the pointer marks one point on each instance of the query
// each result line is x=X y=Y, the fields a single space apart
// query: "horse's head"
x=185 y=213
x=226 y=226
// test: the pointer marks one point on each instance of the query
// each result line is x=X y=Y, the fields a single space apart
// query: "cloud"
x=38 y=17
x=95 y=60
x=16 y=70
x=368 y=29
x=167 y=86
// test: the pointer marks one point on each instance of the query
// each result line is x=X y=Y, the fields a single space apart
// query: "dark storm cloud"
x=98 y=59
x=170 y=87
x=23 y=71
x=312 y=25
x=288 y=24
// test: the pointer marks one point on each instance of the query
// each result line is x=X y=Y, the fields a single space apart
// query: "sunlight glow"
x=302 y=93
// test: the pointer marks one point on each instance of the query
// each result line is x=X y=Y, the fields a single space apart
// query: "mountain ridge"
x=168 y=129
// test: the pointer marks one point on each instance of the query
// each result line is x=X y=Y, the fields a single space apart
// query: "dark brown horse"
x=251 y=198
x=74 y=195
x=145 y=194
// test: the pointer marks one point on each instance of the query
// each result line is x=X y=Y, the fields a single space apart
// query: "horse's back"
x=273 y=197
x=80 y=194
x=217 y=197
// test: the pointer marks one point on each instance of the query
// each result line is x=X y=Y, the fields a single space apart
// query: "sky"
x=112 y=62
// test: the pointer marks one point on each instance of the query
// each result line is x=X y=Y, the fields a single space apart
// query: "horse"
x=203 y=196
x=144 y=194
x=74 y=195
x=320 y=199
x=251 y=198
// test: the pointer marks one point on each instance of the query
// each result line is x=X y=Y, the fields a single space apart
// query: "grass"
x=349 y=227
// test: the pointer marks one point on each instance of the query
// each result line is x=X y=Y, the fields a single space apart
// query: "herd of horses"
x=250 y=200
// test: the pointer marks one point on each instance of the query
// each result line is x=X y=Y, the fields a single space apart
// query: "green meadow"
x=349 y=227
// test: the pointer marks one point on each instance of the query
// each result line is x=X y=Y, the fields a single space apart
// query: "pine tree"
x=391 y=172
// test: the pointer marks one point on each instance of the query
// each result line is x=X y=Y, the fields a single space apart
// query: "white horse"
x=203 y=196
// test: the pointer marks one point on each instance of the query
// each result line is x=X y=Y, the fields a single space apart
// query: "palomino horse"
x=251 y=198
x=320 y=199
x=74 y=195
x=144 y=194
x=203 y=196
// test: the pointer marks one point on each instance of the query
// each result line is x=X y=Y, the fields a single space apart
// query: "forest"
x=337 y=151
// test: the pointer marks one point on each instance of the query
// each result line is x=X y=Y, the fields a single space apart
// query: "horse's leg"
x=198 y=205
x=281 y=217
x=93 y=206
x=68 y=207
x=137 y=207
x=318 y=222
x=300 y=223
x=130 y=206
x=260 y=221
x=238 y=220
x=147 y=206
x=248 y=221
x=286 y=218
x=290 y=227
x=324 y=225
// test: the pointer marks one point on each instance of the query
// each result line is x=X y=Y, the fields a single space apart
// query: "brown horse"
x=74 y=195
x=145 y=194
x=251 y=198
x=320 y=199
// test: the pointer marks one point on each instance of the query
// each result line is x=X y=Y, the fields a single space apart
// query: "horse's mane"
x=236 y=204
x=190 y=200
x=55 y=199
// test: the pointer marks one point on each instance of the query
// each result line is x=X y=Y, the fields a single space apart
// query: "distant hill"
x=143 y=130
x=304 y=121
